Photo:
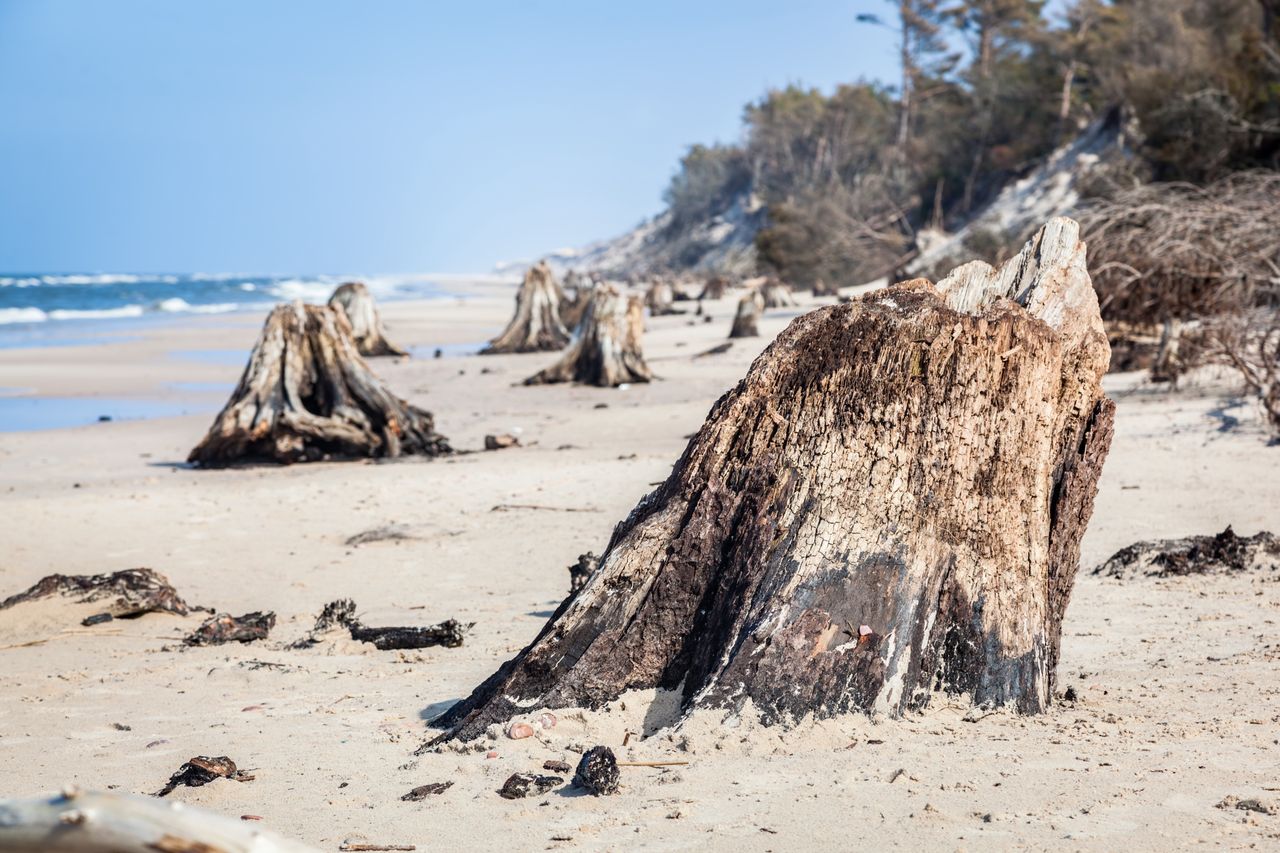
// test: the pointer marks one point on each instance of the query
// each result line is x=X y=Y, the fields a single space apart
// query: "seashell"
x=518 y=731
x=547 y=720
x=493 y=753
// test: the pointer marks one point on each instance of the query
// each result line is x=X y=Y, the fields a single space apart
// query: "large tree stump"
x=888 y=505
x=357 y=303
x=746 y=322
x=606 y=347
x=536 y=326
x=306 y=394
x=660 y=299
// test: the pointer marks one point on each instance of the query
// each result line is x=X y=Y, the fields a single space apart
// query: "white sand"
x=1180 y=699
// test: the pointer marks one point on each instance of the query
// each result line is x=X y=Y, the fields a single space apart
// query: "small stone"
x=556 y=766
x=521 y=785
x=519 y=731
x=598 y=771
x=498 y=442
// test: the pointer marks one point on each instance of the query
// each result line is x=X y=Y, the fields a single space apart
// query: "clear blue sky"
x=374 y=135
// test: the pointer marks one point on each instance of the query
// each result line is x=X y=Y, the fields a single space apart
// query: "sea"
x=53 y=308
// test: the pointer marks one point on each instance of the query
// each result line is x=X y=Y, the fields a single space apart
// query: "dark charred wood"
x=123 y=595
x=202 y=770
x=423 y=791
x=341 y=615
x=556 y=766
x=500 y=442
x=307 y=394
x=597 y=772
x=889 y=505
x=580 y=571
x=715 y=288
x=224 y=628
x=1222 y=553
x=521 y=785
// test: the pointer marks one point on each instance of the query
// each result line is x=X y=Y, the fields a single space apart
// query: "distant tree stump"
x=606 y=347
x=746 y=321
x=536 y=326
x=777 y=295
x=714 y=288
x=357 y=303
x=307 y=394
x=660 y=299
x=888 y=505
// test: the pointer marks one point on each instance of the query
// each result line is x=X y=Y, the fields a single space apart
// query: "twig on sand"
x=508 y=507
x=347 y=847
x=651 y=763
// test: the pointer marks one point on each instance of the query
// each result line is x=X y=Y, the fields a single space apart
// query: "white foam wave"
x=96 y=313
x=22 y=315
x=177 y=305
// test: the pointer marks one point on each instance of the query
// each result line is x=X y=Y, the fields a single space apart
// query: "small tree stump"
x=746 y=321
x=888 y=505
x=606 y=347
x=714 y=288
x=660 y=299
x=776 y=294
x=536 y=326
x=357 y=303
x=307 y=394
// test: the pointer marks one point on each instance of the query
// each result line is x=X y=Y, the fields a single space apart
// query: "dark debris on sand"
x=341 y=614
x=224 y=628
x=597 y=772
x=521 y=785
x=202 y=770
x=1224 y=552
x=124 y=595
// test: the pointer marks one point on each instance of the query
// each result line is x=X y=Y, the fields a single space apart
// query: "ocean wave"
x=177 y=305
x=96 y=313
x=22 y=315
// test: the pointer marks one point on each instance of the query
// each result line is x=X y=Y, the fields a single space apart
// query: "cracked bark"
x=307 y=394
x=890 y=504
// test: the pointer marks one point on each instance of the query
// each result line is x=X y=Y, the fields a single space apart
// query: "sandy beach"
x=1178 y=697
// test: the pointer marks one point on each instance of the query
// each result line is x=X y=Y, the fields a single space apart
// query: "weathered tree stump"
x=888 y=505
x=357 y=303
x=660 y=299
x=746 y=321
x=574 y=297
x=307 y=394
x=776 y=294
x=536 y=325
x=714 y=288
x=606 y=347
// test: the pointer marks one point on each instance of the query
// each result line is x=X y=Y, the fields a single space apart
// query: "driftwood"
x=122 y=595
x=357 y=303
x=580 y=571
x=888 y=505
x=341 y=615
x=536 y=325
x=746 y=321
x=1222 y=553
x=98 y=821
x=201 y=770
x=307 y=394
x=606 y=347
x=224 y=628
x=597 y=772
